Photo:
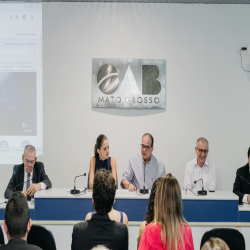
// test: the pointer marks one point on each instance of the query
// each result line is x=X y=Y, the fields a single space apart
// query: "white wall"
x=207 y=90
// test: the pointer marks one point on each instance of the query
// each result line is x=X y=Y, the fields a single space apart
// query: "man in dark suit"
x=241 y=187
x=100 y=230
x=31 y=172
x=17 y=223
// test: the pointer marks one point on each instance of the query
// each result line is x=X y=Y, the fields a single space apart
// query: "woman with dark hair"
x=149 y=217
x=101 y=159
x=169 y=230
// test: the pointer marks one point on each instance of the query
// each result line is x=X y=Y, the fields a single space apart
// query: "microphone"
x=144 y=190
x=14 y=188
x=201 y=192
x=3 y=202
x=243 y=179
x=76 y=191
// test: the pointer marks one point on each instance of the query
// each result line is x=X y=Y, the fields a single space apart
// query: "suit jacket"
x=19 y=245
x=100 y=230
x=17 y=178
x=241 y=187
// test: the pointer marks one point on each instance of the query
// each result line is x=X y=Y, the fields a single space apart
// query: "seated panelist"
x=241 y=187
x=101 y=159
x=200 y=167
x=30 y=171
x=143 y=164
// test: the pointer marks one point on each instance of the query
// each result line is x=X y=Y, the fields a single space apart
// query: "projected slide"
x=21 y=120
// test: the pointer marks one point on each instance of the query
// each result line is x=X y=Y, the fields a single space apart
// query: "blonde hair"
x=100 y=247
x=168 y=212
x=215 y=244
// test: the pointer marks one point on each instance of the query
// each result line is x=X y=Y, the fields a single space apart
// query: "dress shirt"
x=244 y=200
x=135 y=171
x=43 y=185
x=194 y=172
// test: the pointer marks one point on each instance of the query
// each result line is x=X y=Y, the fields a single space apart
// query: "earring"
x=100 y=157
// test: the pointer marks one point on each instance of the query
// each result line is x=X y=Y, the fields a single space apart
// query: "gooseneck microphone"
x=243 y=178
x=3 y=202
x=201 y=192
x=76 y=191
x=144 y=190
x=14 y=188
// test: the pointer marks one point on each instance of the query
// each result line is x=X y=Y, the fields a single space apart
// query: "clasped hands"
x=32 y=189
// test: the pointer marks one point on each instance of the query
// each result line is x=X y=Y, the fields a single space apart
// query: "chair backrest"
x=42 y=237
x=232 y=237
x=1 y=236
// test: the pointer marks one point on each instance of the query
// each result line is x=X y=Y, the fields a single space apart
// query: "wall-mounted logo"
x=129 y=83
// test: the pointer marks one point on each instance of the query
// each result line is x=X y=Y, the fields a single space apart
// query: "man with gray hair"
x=200 y=168
x=28 y=177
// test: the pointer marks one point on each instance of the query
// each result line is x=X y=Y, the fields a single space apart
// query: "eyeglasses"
x=205 y=151
x=145 y=147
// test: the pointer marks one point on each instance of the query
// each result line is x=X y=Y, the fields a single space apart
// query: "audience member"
x=101 y=159
x=30 y=171
x=215 y=244
x=100 y=229
x=149 y=217
x=17 y=223
x=169 y=230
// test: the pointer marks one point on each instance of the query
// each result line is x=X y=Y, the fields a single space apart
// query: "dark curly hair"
x=149 y=216
x=103 y=191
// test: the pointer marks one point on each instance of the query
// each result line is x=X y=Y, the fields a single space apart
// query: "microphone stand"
x=76 y=191
x=144 y=190
x=201 y=192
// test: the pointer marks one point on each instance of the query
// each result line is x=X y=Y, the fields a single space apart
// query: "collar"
x=142 y=160
x=97 y=216
x=31 y=173
x=17 y=241
x=205 y=164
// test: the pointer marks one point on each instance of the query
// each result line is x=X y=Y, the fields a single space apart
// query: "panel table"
x=244 y=213
x=30 y=204
x=58 y=204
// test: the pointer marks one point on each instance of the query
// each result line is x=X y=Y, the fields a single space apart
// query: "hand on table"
x=248 y=199
x=33 y=189
x=131 y=187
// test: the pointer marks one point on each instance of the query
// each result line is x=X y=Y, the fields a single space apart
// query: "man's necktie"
x=28 y=182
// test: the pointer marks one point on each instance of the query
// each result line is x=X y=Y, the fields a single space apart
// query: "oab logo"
x=129 y=83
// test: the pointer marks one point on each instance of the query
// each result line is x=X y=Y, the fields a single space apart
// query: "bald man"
x=200 y=167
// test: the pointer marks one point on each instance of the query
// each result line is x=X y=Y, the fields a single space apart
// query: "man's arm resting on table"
x=128 y=185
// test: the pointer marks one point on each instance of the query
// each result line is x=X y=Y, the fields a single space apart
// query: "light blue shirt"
x=135 y=171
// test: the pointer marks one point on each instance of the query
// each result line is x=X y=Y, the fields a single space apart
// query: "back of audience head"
x=215 y=244
x=17 y=217
x=168 y=211
x=103 y=191
x=149 y=217
x=100 y=247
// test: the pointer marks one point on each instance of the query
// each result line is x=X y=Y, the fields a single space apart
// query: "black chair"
x=42 y=237
x=232 y=237
x=1 y=236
